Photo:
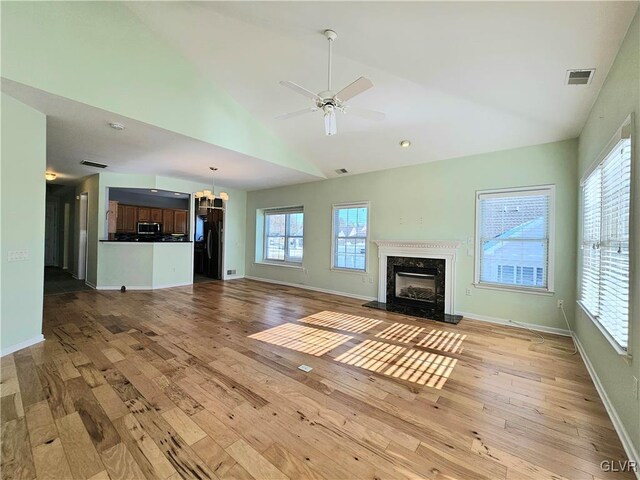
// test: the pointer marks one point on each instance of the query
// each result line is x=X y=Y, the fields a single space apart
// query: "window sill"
x=506 y=288
x=297 y=266
x=349 y=270
x=619 y=350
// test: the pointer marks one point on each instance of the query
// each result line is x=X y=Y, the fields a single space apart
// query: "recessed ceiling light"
x=50 y=176
x=116 y=126
x=154 y=190
x=177 y=194
x=405 y=143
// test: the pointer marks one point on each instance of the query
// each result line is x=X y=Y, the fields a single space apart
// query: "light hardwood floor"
x=203 y=382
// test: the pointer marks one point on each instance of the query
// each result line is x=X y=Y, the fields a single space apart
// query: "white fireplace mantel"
x=442 y=249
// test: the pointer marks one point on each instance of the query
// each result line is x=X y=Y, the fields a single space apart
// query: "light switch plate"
x=305 y=368
x=17 y=255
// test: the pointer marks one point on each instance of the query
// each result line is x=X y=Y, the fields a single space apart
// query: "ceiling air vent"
x=93 y=164
x=580 y=77
x=341 y=171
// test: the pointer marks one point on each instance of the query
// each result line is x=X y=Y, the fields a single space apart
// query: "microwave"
x=148 y=228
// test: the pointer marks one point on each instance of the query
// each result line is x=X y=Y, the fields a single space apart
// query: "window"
x=283 y=235
x=350 y=237
x=514 y=237
x=604 y=252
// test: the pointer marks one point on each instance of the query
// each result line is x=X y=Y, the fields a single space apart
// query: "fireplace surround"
x=417 y=278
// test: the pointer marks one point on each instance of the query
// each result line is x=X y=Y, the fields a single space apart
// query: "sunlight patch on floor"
x=448 y=342
x=341 y=321
x=415 y=366
x=423 y=368
x=371 y=355
x=400 y=332
x=302 y=339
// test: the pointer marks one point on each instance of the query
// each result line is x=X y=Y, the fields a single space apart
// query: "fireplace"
x=417 y=278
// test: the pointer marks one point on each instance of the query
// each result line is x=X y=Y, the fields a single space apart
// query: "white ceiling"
x=77 y=132
x=456 y=78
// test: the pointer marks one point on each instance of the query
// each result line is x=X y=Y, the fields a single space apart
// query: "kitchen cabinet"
x=180 y=222
x=156 y=215
x=144 y=214
x=172 y=220
x=130 y=220
x=120 y=219
x=168 y=221
x=112 y=218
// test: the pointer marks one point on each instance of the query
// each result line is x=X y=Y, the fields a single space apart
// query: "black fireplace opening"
x=415 y=286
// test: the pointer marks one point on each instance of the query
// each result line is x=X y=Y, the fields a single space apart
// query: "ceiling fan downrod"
x=331 y=36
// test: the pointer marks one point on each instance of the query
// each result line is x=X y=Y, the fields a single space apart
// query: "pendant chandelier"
x=206 y=198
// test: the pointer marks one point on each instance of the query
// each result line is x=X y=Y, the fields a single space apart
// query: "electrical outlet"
x=635 y=388
x=468 y=292
x=560 y=303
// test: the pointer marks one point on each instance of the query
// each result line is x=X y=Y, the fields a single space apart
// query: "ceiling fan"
x=329 y=102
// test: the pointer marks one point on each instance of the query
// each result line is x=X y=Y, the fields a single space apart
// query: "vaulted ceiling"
x=197 y=83
x=455 y=78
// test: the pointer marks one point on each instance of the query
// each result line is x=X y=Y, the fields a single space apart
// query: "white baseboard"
x=144 y=287
x=504 y=321
x=629 y=448
x=308 y=287
x=233 y=277
x=21 y=345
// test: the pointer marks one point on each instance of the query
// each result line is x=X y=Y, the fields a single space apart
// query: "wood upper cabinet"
x=112 y=218
x=173 y=221
x=129 y=219
x=144 y=214
x=120 y=219
x=167 y=221
x=156 y=215
x=180 y=222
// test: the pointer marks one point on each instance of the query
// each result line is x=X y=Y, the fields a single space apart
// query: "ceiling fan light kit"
x=329 y=102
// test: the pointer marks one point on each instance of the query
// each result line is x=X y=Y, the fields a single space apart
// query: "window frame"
x=627 y=128
x=336 y=206
x=287 y=259
x=551 y=244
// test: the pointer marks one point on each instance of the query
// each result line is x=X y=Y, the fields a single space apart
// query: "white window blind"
x=283 y=234
x=350 y=236
x=514 y=238
x=604 y=279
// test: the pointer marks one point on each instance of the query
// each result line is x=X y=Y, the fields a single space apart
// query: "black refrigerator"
x=213 y=239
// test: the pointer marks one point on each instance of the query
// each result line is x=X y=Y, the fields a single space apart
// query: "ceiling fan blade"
x=284 y=116
x=364 y=113
x=353 y=89
x=301 y=90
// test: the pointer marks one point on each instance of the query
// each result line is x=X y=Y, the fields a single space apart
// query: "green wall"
x=618 y=98
x=22 y=209
x=100 y=54
x=432 y=201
